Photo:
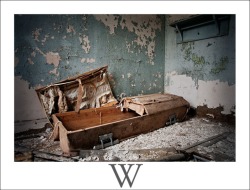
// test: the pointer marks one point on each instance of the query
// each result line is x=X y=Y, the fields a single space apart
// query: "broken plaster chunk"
x=48 y=130
x=42 y=137
x=210 y=115
x=208 y=149
x=43 y=140
x=205 y=120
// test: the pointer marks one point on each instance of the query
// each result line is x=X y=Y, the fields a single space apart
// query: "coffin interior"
x=93 y=117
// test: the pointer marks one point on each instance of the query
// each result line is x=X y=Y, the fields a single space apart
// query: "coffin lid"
x=88 y=90
x=153 y=103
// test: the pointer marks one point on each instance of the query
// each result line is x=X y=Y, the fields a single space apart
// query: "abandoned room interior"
x=124 y=88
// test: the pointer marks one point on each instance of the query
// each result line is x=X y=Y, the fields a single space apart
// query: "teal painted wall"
x=140 y=50
x=201 y=71
x=49 y=48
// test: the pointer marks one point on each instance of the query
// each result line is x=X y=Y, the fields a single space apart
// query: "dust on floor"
x=193 y=135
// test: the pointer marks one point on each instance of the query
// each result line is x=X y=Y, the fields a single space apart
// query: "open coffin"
x=88 y=90
x=81 y=126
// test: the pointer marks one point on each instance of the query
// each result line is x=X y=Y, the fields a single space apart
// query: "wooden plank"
x=53 y=157
x=207 y=140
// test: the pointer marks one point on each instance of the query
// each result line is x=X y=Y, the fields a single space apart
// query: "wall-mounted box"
x=200 y=27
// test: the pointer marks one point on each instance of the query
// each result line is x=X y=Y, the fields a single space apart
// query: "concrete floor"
x=210 y=139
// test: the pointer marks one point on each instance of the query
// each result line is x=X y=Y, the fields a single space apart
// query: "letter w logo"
x=125 y=173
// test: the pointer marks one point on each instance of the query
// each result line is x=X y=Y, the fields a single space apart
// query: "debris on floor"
x=156 y=154
x=202 y=140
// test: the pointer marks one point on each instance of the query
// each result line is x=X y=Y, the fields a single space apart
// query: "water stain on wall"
x=202 y=65
x=220 y=66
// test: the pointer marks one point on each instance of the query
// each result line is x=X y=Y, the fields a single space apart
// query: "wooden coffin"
x=83 y=108
x=134 y=116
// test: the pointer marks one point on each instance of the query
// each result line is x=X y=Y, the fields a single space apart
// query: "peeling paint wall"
x=49 y=48
x=201 y=71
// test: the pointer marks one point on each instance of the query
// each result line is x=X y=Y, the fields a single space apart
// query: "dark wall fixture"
x=201 y=27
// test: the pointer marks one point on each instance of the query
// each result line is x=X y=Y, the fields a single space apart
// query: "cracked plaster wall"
x=201 y=71
x=49 y=48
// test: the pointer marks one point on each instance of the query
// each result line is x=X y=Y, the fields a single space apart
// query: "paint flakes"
x=36 y=34
x=87 y=60
x=54 y=71
x=83 y=60
x=84 y=18
x=144 y=26
x=45 y=38
x=90 y=60
x=150 y=52
x=33 y=54
x=53 y=58
x=40 y=51
x=70 y=29
x=52 y=37
x=64 y=37
x=84 y=40
x=128 y=46
x=129 y=75
x=110 y=21
x=159 y=75
x=30 y=61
